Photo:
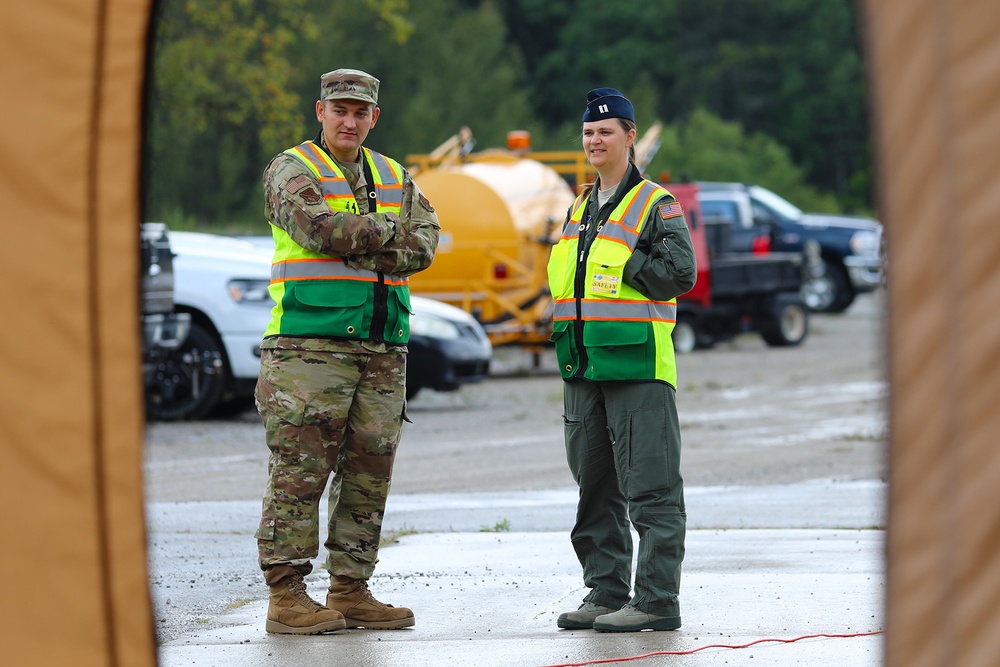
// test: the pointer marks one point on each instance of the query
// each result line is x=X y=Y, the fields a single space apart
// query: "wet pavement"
x=487 y=574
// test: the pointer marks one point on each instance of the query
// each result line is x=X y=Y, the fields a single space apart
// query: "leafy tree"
x=236 y=82
x=705 y=147
x=225 y=98
x=217 y=99
x=571 y=47
x=790 y=69
x=456 y=69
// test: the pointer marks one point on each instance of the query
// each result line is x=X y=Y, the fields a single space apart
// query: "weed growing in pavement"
x=499 y=527
x=393 y=535
x=236 y=604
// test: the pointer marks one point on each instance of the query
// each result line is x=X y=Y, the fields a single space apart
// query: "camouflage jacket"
x=400 y=245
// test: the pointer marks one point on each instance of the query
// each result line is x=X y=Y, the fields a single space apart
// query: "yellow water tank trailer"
x=499 y=216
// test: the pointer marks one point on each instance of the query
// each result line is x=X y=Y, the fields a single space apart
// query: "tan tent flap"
x=73 y=548
x=935 y=66
x=75 y=586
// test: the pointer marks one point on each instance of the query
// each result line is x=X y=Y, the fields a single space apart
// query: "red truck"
x=737 y=292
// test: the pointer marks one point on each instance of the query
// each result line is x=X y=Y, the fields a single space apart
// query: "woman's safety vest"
x=318 y=295
x=604 y=329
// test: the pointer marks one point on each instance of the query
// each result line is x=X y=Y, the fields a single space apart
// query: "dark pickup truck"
x=737 y=292
x=848 y=247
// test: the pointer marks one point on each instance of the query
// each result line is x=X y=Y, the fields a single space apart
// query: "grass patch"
x=499 y=527
x=393 y=536
x=236 y=604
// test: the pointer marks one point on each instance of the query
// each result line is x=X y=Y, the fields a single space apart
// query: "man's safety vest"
x=604 y=329
x=318 y=295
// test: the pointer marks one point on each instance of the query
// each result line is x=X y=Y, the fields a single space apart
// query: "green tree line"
x=763 y=91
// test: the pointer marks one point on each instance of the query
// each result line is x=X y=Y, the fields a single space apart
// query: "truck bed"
x=743 y=274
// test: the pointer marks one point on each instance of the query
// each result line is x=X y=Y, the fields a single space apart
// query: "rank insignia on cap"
x=671 y=210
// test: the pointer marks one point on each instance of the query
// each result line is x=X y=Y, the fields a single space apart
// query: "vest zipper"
x=578 y=290
x=580 y=279
x=381 y=309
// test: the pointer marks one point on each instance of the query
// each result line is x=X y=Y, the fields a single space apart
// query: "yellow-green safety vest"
x=609 y=330
x=318 y=295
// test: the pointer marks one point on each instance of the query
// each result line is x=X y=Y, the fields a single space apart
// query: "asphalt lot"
x=803 y=426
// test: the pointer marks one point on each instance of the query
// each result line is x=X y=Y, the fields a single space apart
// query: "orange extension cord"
x=702 y=648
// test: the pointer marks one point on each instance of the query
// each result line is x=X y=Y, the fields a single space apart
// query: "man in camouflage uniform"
x=349 y=225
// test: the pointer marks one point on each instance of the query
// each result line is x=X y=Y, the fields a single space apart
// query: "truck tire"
x=684 y=335
x=787 y=324
x=188 y=382
x=830 y=291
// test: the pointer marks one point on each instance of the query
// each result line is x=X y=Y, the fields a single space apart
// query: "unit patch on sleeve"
x=670 y=210
x=303 y=187
x=426 y=204
x=310 y=196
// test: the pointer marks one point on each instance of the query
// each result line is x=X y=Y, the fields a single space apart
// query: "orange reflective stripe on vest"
x=325 y=269
x=625 y=311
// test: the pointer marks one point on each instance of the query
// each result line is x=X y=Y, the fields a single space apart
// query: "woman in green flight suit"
x=624 y=256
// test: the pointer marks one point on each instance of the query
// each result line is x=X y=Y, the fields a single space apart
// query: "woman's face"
x=606 y=143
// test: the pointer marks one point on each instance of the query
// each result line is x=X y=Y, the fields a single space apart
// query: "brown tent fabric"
x=71 y=425
x=75 y=588
x=935 y=66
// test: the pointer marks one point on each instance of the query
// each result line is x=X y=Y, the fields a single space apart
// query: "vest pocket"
x=619 y=351
x=605 y=274
x=332 y=309
x=397 y=325
x=566 y=354
x=560 y=269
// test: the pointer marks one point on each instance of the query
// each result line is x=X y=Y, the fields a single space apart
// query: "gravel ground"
x=750 y=414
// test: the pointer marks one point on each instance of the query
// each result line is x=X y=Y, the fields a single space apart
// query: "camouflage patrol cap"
x=349 y=84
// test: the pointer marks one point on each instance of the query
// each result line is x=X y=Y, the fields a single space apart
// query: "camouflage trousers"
x=328 y=414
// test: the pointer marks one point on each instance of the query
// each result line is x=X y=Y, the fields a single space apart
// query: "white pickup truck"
x=221 y=282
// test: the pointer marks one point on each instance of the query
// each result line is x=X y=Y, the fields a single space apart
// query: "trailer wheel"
x=787 y=325
x=685 y=335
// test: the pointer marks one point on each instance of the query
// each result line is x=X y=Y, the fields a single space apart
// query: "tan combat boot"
x=352 y=598
x=292 y=612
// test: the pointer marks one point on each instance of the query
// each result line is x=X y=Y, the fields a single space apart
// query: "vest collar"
x=632 y=178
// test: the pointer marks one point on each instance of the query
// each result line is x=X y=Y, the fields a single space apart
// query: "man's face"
x=345 y=126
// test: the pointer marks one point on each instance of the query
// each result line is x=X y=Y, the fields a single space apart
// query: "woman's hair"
x=628 y=125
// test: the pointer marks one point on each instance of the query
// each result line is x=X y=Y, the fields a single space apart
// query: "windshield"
x=776 y=204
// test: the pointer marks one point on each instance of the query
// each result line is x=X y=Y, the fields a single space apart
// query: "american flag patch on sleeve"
x=671 y=210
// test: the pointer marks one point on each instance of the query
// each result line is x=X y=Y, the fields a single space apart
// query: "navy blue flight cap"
x=607 y=103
